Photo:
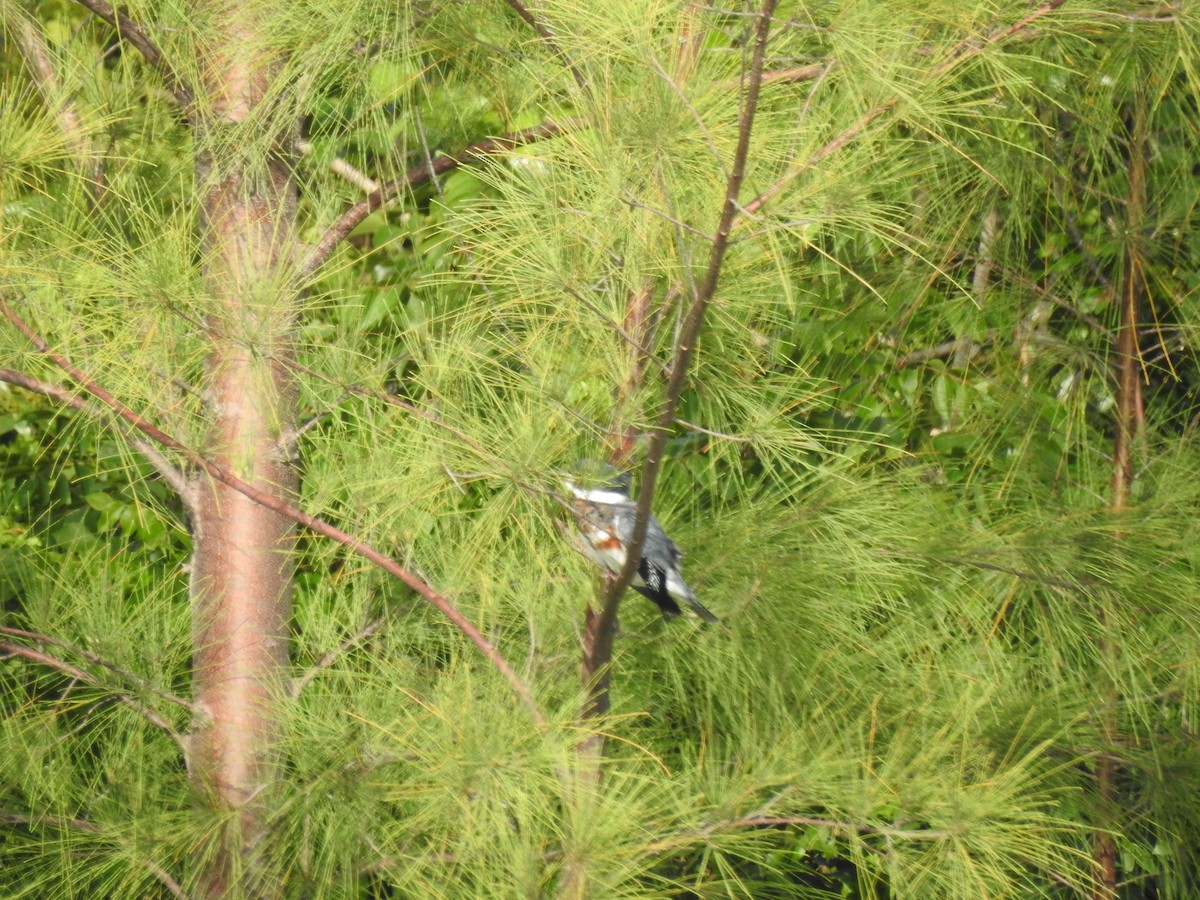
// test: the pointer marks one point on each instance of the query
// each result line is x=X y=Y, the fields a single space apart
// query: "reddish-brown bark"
x=241 y=571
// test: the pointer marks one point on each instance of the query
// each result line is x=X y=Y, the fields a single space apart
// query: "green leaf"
x=103 y=502
x=381 y=303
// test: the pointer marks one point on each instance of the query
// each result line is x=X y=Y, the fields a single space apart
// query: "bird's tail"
x=697 y=607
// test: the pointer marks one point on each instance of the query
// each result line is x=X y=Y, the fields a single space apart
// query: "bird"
x=606 y=515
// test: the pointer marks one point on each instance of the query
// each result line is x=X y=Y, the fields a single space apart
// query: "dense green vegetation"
x=949 y=518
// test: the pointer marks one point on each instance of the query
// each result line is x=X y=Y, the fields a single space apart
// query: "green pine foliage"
x=891 y=479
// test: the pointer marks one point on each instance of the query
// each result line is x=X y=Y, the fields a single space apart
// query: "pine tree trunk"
x=242 y=571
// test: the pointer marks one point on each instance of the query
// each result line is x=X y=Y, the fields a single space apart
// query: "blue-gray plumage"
x=606 y=516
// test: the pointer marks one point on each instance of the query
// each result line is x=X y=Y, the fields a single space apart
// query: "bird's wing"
x=655 y=531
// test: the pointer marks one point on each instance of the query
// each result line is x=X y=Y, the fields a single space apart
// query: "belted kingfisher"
x=606 y=516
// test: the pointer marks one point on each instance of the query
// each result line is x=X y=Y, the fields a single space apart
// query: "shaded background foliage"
x=892 y=483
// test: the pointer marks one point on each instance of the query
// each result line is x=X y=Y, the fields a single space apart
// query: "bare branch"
x=956 y=348
x=736 y=438
x=792 y=75
x=763 y=818
x=984 y=259
x=360 y=180
x=177 y=481
x=1047 y=294
x=796 y=74
x=266 y=500
x=970 y=47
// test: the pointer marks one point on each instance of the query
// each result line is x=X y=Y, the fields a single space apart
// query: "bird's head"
x=598 y=482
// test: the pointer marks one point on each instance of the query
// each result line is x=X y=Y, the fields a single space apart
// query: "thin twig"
x=175 y=479
x=96 y=659
x=846 y=137
x=299 y=684
x=736 y=438
x=339 y=166
x=955 y=347
x=548 y=38
x=392 y=400
x=763 y=818
x=423 y=138
x=797 y=74
x=633 y=342
x=1047 y=294
x=1063 y=584
x=277 y=505
x=633 y=201
x=695 y=114
x=900 y=834
x=31 y=41
x=37 y=386
x=523 y=11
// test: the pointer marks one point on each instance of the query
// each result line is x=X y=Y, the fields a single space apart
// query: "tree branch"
x=360 y=180
x=168 y=472
x=131 y=33
x=339 y=230
x=96 y=659
x=548 y=38
x=264 y=499
x=36 y=386
x=8 y=648
x=299 y=684
x=956 y=347
x=523 y=11
x=31 y=40
x=605 y=631
x=393 y=400
x=1047 y=294
x=899 y=834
